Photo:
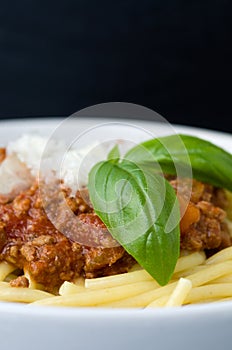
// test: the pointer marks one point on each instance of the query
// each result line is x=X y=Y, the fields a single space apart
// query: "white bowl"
x=206 y=326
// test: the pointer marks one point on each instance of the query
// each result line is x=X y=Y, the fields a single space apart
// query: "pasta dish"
x=42 y=264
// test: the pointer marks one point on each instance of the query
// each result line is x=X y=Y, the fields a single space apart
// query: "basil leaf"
x=209 y=163
x=141 y=211
x=114 y=154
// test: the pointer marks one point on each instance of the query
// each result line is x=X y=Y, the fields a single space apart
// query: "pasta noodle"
x=223 y=255
x=143 y=293
x=195 y=280
x=24 y=295
x=180 y=292
x=177 y=297
x=5 y=270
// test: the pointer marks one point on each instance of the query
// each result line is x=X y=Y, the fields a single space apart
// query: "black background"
x=57 y=57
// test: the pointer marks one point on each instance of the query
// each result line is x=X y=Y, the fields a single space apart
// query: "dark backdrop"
x=173 y=56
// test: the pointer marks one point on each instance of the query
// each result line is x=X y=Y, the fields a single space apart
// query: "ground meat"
x=20 y=281
x=219 y=198
x=51 y=253
x=203 y=224
x=3 y=237
x=122 y=265
x=193 y=190
x=83 y=201
x=30 y=241
x=2 y=154
x=80 y=203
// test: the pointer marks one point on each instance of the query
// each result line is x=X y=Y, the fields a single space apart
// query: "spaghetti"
x=42 y=266
x=205 y=280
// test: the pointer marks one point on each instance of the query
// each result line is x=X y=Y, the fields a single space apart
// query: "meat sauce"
x=2 y=154
x=30 y=241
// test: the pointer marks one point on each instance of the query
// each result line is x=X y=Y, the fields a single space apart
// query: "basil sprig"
x=137 y=204
x=140 y=210
x=209 y=163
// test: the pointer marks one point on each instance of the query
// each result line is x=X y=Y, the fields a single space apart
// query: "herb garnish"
x=137 y=204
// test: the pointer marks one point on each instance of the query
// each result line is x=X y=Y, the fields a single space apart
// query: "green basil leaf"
x=209 y=163
x=114 y=154
x=141 y=211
